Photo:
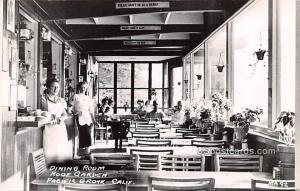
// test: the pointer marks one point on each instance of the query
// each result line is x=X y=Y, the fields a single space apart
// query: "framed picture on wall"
x=10 y=20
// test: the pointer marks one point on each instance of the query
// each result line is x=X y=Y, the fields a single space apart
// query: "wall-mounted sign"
x=140 y=42
x=140 y=28
x=142 y=5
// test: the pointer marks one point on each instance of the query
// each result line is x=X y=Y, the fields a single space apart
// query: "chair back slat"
x=181 y=183
x=208 y=143
x=266 y=184
x=182 y=162
x=193 y=135
x=113 y=161
x=242 y=162
x=39 y=162
x=180 y=130
x=146 y=130
x=153 y=142
x=147 y=135
x=92 y=187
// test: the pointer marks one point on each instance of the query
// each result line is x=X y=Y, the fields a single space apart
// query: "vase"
x=218 y=128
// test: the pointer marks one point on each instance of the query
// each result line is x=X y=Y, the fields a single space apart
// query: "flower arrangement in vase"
x=242 y=122
x=220 y=106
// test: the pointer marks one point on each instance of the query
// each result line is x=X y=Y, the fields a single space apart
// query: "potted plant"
x=242 y=122
x=285 y=125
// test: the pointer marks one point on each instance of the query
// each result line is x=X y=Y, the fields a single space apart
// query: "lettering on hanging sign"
x=139 y=42
x=140 y=28
x=142 y=5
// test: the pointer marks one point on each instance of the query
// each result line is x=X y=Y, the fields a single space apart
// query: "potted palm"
x=285 y=125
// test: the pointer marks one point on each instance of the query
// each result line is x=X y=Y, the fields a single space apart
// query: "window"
x=27 y=66
x=138 y=83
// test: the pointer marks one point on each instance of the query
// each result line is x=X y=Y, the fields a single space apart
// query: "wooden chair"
x=181 y=163
x=145 y=135
x=181 y=183
x=113 y=161
x=208 y=143
x=153 y=142
x=148 y=159
x=263 y=184
x=240 y=162
x=92 y=187
x=193 y=135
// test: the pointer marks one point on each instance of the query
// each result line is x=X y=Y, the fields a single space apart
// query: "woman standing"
x=57 y=147
x=84 y=111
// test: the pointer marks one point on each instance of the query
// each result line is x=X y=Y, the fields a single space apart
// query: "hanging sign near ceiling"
x=140 y=42
x=140 y=28
x=142 y=5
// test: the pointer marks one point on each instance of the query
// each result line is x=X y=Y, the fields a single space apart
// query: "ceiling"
x=134 y=29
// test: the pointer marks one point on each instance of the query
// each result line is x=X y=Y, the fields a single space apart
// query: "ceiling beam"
x=137 y=53
x=98 y=45
x=77 y=32
x=60 y=9
x=167 y=17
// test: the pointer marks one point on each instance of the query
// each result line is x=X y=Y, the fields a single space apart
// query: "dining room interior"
x=149 y=95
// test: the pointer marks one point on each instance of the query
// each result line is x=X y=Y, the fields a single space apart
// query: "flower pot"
x=287 y=170
x=260 y=54
x=219 y=127
x=220 y=68
x=238 y=134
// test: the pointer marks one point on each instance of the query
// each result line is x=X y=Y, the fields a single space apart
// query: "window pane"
x=157 y=71
x=123 y=96
x=124 y=75
x=159 y=97
x=106 y=75
x=141 y=75
x=286 y=54
x=140 y=94
x=105 y=92
x=166 y=75
x=198 y=76
x=217 y=58
x=166 y=98
x=186 y=77
x=251 y=80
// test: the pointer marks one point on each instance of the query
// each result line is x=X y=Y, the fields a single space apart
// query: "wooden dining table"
x=138 y=180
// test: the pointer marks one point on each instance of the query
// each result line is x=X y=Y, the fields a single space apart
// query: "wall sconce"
x=186 y=81
x=199 y=77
